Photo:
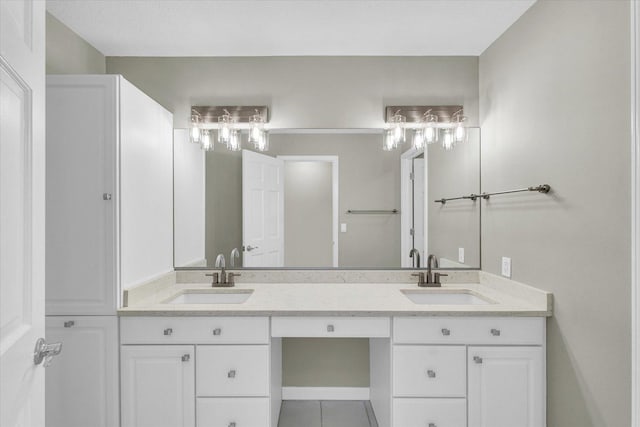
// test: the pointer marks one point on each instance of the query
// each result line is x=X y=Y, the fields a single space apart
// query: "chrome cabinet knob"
x=330 y=328
x=431 y=374
x=495 y=332
x=232 y=424
x=168 y=331
x=106 y=196
x=231 y=373
x=446 y=332
x=432 y=424
x=477 y=359
x=69 y=323
x=186 y=357
x=217 y=331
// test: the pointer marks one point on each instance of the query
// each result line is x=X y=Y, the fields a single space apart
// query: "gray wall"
x=308 y=214
x=555 y=99
x=67 y=53
x=305 y=92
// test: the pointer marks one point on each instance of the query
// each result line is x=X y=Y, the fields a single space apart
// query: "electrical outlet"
x=343 y=227
x=461 y=255
x=506 y=267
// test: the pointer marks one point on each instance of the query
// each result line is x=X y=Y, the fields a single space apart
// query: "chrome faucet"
x=415 y=253
x=430 y=279
x=219 y=279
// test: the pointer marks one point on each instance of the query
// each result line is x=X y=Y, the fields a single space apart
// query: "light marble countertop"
x=505 y=297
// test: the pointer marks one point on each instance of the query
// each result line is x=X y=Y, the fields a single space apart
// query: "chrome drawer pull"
x=217 y=331
x=231 y=373
x=330 y=328
x=495 y=332
x=69 y=324
x=432 y=424
x=477 y=359
x=232 y=424
x=431 y=374
x=446 y=332
x=186 y=357
x=168 y=331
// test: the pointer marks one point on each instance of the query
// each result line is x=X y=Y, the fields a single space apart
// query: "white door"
x=506 y=387
x=157 y=386
x=262 y=210
x=82 y=383
x=22 y=211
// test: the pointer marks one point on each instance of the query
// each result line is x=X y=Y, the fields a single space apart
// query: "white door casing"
x=22 y=210
x=262 y=210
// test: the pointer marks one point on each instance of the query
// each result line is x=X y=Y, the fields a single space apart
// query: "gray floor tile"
x=300 y=413
x=344 y=414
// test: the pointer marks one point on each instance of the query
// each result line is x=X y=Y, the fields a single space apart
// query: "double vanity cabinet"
x=431 y=371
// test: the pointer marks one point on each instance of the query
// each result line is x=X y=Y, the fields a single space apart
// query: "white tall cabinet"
x=109 y=227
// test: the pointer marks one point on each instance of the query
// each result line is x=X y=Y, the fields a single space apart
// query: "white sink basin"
x=237 y=296
x=461 y=297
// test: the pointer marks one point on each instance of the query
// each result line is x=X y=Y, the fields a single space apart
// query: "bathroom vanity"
x=466 y=354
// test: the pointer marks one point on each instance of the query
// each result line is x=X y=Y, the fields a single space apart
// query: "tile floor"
x=326 y=413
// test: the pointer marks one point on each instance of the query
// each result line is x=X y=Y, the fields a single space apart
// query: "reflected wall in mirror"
x=326 y=199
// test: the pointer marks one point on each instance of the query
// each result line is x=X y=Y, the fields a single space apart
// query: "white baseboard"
x=325 y=393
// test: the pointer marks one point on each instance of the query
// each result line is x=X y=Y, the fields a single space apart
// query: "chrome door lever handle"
x=45 y=352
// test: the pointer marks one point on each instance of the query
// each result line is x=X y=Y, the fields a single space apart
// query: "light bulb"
x=234 y=140
x=431 y=129
x=224 y=133
x=206 y=143
x=196 y=132
x=262 y=143
x=256 y=128
x=388 y=143
x=418 y=139
x=447 y=140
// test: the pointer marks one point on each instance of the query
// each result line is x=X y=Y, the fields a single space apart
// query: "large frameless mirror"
x=326 y=199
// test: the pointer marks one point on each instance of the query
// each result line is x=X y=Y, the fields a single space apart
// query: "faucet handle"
x=437 y=276
x=214 y=278
x=420 y=277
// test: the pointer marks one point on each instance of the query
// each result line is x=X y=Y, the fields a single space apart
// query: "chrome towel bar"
x=373 y=211
x=544 y=188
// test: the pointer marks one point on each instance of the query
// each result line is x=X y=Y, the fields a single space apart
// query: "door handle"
x=250 y=248
x=46 y=352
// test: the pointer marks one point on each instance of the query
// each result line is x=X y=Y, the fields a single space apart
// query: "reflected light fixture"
x=234 y=143
x=460 y=131
x=388 y=140
x=397 y=123
x=257 y=134
x=196 y=133
x=225 y=122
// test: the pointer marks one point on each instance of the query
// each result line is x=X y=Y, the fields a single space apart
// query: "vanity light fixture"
x=230 y=122
x=429 y=125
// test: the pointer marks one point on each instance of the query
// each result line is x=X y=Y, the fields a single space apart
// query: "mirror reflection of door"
x=413 y=213
x=418 y=211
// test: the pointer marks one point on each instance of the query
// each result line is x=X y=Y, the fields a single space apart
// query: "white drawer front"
x=232 y=370
x=429 y=371
x=357 y=327
x=224 y=412
x=430 y=413
x=194 y=330
x=469 y=330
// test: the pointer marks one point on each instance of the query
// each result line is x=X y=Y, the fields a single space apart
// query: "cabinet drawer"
x=194 y=330
x=430 y=412
x=232 y=412
x=232 y=370
x=429 y=371
x=357 y=327
x=469 y=330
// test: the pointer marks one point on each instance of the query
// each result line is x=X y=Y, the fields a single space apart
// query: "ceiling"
x=289 y=27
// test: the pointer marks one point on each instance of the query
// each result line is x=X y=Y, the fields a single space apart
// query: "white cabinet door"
x=82 y=382
x=506 y=387
x=157 y=386
x=82 y=135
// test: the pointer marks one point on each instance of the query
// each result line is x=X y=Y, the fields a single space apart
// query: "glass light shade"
x=431 y=129
x=196 y=133
x=418 y=139
x=398 y=122
x=256 y=129
x=225 y=126
x=460 y=131
x=234 y=140
x=388 y=140
x=262 y=143
x=206 y=143
x=447 y=139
